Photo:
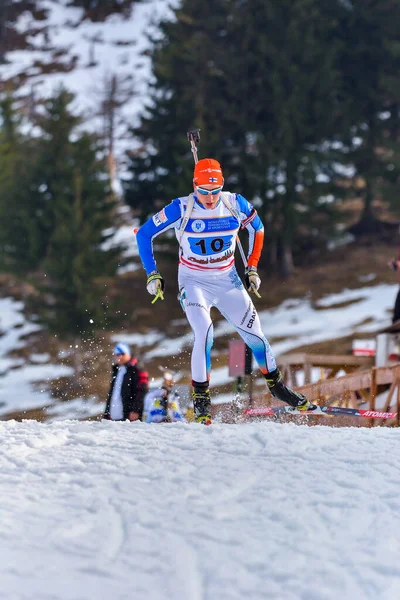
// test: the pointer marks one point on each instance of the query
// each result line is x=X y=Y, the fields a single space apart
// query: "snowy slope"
x=292 y=324
x=18 y=377
x=119 y=511
x=91 y=52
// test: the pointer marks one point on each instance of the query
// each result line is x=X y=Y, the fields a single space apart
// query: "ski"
x=338 y=411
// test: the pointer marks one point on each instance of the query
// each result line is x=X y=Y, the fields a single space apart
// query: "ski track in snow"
x=122 y=511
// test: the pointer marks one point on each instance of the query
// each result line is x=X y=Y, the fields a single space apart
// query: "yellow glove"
x=252 y=280
x=155 y=285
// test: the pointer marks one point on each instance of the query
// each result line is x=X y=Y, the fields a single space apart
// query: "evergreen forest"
x=298 y=99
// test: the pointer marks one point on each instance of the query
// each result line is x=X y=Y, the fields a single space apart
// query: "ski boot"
x=201 y=402
x=279 y=390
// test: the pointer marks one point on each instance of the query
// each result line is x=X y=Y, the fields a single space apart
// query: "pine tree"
x=260 y=81
x=17 y=158
x=297 y=44
x=76 y=206
x=190 y=60
x=98 y=10
x=48 y=173
x=370 y=62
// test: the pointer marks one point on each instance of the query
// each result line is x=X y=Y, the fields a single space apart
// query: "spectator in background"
x=162 y=405
x=129 y=384
x=395 y=265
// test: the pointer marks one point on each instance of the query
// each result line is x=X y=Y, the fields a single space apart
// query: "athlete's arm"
x=252 y=222
x=158 y=223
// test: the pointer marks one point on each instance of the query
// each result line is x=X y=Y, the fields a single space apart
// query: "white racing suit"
x=207 y=275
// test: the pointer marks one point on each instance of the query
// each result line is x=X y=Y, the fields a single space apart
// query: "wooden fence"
x=328 y=364
x=360 y=388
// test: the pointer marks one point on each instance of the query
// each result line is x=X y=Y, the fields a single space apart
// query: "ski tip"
x=135 y=230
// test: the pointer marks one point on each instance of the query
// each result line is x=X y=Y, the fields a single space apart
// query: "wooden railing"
x=329 y=365
x=359 y=388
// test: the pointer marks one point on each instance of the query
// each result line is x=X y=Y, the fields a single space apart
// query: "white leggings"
x=201 y=291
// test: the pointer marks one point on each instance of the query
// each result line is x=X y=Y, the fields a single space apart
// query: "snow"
x=138 y=339
x=19 y=380
x=123 y=511
x=305 y=323
x=119 y=49
x=124 y=237
x=81 y=408
x=17 y=389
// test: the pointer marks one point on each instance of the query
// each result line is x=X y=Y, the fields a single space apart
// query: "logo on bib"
x=198 y=226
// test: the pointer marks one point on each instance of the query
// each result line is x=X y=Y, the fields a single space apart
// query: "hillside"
x=92 y=52
x=294 y=315
x=86 y=46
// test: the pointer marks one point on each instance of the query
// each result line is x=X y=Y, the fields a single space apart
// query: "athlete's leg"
x=197 y=309
x=197 y=305
x=237 y=307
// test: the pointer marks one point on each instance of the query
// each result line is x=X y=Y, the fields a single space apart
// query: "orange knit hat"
x=208 y=170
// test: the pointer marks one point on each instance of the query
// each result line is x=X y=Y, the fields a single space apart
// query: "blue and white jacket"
x=209 y=239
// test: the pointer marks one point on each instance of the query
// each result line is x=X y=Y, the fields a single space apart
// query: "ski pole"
x=193 y=137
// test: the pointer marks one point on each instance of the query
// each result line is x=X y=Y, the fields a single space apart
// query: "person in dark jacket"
x=125 y=397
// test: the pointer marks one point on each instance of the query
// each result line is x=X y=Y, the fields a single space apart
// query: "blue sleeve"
x=158 y=223
x=248 y=213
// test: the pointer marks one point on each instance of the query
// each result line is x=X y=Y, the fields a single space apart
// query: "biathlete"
x=206 y=224
x=162 y=405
